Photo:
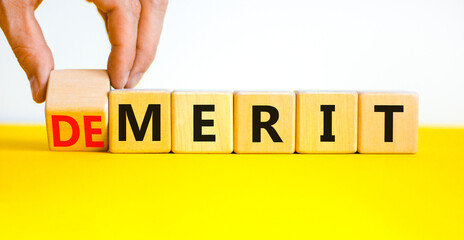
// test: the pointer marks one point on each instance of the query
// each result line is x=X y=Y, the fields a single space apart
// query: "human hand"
x=133 y=26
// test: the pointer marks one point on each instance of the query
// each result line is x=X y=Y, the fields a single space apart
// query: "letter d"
x=56 y=119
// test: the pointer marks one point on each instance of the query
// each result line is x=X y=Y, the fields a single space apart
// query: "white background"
x=412 y=45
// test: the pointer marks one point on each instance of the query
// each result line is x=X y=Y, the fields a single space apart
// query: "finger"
x=102 y=13
x=150 y=26
x=29 y=46
x=122 y=26
x=105 y=18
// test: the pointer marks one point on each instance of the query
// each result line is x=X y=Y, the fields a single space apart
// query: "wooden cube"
x=326 y=122
x=76 y=110
x=388 y=122
x=140 y=121
x=264 y=122
x=202 y=122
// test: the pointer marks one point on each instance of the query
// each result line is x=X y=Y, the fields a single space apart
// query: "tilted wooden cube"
x=202 y=122
x=77 y=110
x=140 y=121
x=326 y=122
x=388 y=122
x=264 y=122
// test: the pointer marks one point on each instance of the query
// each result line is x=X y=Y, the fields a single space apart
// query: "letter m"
x=153 y=111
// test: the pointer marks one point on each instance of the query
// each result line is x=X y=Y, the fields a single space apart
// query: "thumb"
x=28 y=44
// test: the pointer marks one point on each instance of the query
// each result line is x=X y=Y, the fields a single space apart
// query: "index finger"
x=150 y=26
x=122 y=33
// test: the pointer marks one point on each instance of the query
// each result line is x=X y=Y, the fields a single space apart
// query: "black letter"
x=257 y=124
x=139 y=134
x=198 y=123
x=327 y=109
x=389 y=110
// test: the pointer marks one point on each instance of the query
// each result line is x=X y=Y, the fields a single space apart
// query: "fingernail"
x=35 y=88
x=134 y=80
x=127 y=77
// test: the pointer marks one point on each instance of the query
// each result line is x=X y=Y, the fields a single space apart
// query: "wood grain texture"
x=284 y=102
x=183 y=122
x=78 y=94
x=310 y=122
x=372 y=129
x=140 y=100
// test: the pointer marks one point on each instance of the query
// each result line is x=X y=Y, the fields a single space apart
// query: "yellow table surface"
x=63 y=195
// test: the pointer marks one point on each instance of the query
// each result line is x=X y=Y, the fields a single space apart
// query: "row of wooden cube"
x=151 y=121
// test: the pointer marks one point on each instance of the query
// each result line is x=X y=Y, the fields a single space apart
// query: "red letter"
x=56 y=119
x=89 y=131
